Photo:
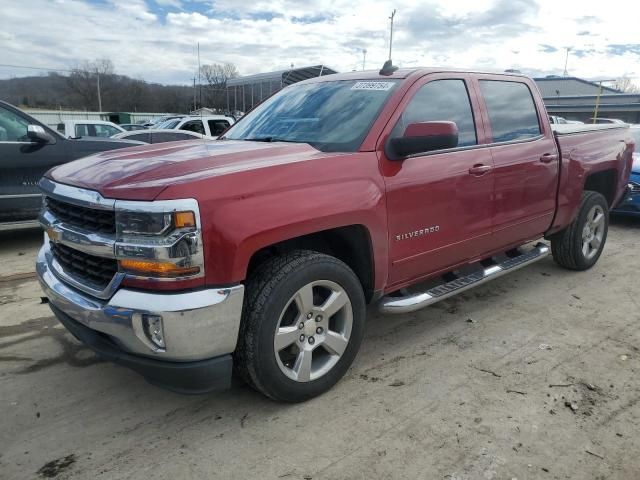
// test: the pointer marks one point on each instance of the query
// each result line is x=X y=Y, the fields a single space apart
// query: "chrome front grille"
x=93 y=220
x=96 y=271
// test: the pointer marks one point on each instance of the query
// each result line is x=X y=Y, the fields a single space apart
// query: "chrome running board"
x=413 y=302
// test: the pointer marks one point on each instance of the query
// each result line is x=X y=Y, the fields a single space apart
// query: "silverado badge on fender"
x=418 y=233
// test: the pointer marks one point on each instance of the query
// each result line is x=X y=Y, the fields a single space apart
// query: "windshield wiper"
x=270 y=139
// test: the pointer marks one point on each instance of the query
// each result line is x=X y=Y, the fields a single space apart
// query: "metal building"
x=244 y=93
x=575 y=99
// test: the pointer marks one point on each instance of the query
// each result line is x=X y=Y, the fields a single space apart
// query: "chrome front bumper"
x=197 y=325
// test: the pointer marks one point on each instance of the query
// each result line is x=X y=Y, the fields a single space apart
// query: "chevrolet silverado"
x=258 y=252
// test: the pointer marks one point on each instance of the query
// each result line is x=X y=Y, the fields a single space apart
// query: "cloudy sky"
x=155 y=39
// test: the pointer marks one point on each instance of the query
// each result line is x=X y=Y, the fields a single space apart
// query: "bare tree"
x=91 y=80
x=216 y=77
x=624 y=84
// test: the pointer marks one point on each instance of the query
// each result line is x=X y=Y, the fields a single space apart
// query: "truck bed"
x=574 y=128
x=595 y=152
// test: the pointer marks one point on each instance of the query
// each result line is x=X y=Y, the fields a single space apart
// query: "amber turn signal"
x=149 y=268
x=184 y=219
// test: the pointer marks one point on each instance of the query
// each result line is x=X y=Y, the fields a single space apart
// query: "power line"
x=36 y=68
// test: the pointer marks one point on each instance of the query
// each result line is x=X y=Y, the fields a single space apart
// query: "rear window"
x=139 y=137
x=512 y=112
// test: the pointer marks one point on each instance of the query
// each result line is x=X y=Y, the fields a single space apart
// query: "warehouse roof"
x=286 y=77
x=554 y=85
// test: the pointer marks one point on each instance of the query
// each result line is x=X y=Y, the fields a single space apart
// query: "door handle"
x=548 y=158
x=480 y=169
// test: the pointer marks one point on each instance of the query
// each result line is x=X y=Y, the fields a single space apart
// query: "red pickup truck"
x=258 y=252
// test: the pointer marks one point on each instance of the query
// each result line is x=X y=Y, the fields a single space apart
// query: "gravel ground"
x=534 y=375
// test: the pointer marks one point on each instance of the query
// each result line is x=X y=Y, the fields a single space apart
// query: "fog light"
x=152 y=325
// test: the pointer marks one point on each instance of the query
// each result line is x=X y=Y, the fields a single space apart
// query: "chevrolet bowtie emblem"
x=53 y=234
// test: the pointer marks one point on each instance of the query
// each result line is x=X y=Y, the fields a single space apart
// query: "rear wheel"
x=579 y=246
x=303 y=321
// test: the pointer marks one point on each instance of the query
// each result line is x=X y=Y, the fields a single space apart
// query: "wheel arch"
x=603 y=182
x=351 y=244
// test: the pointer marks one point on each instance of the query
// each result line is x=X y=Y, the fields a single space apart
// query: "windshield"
x=168 y=124
x=330 y=116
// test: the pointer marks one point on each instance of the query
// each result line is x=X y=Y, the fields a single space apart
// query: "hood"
x=141 y=173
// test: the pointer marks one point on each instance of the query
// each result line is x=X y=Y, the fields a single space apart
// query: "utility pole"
x=364 y=58
x=393 y=14
x=566 y=61
x=194 y=93
x=199 y=82
x=595 y=112
x=99 y=97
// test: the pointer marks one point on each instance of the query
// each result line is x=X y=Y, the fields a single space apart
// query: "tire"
x=572 y=247
x=282 y=351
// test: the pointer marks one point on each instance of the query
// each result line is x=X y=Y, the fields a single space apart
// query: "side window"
x=12 y=127
x=512 y=113
x=441 y=100
x=105 y=130
x=82 y=130
x=218 y=126
x=193 y=126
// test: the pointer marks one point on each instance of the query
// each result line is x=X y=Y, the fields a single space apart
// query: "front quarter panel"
x=246 y=211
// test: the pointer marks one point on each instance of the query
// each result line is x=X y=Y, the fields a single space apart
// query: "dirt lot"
x=534 y=375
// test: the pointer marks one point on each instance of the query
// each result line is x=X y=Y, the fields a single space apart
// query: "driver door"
x=439 y=203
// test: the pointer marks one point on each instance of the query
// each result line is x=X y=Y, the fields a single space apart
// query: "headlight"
x=152 y=223
x=159 y=240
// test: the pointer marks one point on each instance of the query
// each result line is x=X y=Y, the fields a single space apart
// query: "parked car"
x=556 y=120
x=158 y=120
x=261 y=250
x=631 y=203
x=605 y=120
x=28 y=149
x=209 y=125
x=130 y=127
x=88 y=128
x=160 y=136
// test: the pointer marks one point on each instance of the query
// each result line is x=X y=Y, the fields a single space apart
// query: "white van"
x=208 y=125
x=88 y=128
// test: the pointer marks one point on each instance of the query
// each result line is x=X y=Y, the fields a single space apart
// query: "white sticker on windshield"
x=384 y=86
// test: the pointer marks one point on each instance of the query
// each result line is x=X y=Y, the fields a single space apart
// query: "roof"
x=403 y=73
x=287 y=77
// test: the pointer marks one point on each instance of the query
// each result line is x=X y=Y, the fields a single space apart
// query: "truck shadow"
x=624 y=221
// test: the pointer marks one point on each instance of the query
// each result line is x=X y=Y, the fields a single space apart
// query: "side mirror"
x=37 y=134
x=423 y=137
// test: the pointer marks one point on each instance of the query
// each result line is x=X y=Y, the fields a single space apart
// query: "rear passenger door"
x=525 y=159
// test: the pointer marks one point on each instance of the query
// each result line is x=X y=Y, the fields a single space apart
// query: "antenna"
x=364 y=58
x=393 y=14
x=388 y=68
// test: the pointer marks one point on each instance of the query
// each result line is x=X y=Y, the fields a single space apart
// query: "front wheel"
x=303 y=321
x=579 y=246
